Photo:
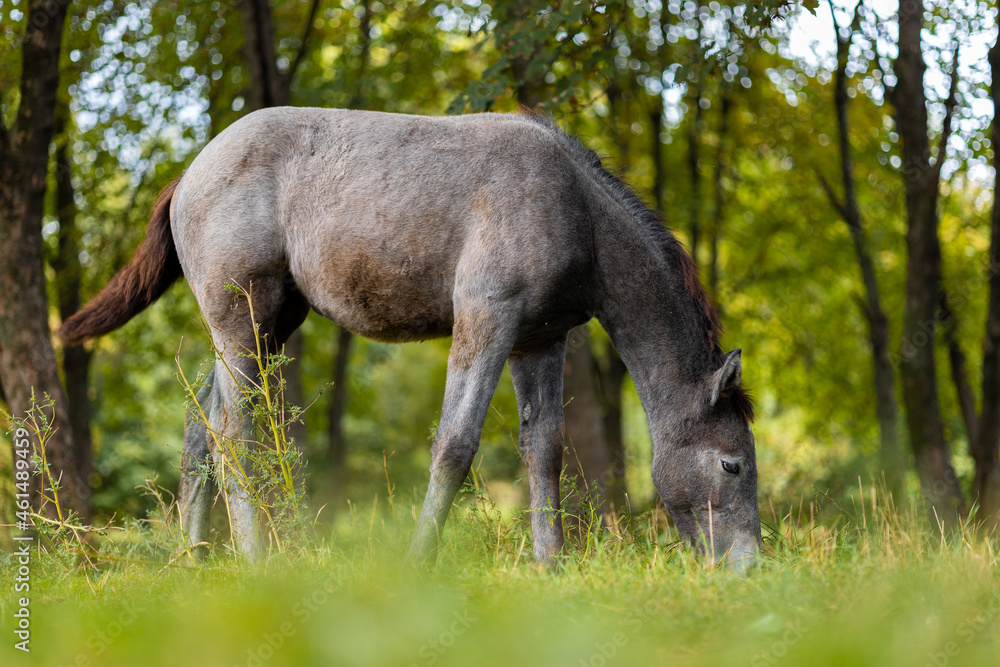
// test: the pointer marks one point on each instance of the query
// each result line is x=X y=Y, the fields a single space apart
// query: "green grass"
x=865 y=587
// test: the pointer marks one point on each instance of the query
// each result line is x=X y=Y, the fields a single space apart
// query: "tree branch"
x=836 y=23
x=854 y=25
x=359 y=95
x=856 y=20
x=949 y=110
x=848 y=206
x=959 y=375
x=890 y=91
x=304 y=43
x=837 y=204
x=258 y=45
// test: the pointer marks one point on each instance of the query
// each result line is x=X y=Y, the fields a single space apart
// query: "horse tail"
x=149 y=273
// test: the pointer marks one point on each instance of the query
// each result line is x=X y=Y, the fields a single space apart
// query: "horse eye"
x=730 y=467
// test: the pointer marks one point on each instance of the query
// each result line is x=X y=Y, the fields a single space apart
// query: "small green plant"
x=63 y=538
x=265 y=466
x=57 y=527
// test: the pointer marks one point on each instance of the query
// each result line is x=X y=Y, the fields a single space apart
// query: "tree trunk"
x=68 y=276
x=337 y=452
x=959 y=373
x=891 y=457
x=725 y=103
x=923 y=274
x=694 y=151
x=656 y=123
x=27 y=358
x=360 y=96
x=611 y=373
x=294 y=393
x=528 y=86
x=986 y=446
x=587 y=459
x=267 y=87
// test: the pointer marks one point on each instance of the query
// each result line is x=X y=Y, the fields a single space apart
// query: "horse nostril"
x=730 y=466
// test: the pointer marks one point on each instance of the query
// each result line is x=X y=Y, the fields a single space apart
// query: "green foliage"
x=532 y=41
x=37 y=423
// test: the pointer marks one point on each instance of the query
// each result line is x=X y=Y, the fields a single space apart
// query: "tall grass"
x=858 y=584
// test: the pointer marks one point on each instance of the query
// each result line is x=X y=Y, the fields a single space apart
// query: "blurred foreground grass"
x=859 y=587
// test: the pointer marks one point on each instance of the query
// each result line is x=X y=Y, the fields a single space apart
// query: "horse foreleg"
x=474 y=365
x=538 y=384
x=197 y=484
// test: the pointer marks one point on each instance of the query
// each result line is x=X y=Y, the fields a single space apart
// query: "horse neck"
x=655 y=323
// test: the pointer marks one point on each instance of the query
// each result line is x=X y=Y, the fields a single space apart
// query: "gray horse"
x=499 y=230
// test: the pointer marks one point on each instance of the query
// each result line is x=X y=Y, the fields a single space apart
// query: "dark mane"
x=673 y=249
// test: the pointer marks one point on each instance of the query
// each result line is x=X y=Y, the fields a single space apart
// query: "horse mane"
x=652 y=222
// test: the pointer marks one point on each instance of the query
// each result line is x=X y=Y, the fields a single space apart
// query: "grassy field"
x=859 y=586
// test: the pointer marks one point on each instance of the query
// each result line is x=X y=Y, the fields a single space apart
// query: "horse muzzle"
x=740 y=553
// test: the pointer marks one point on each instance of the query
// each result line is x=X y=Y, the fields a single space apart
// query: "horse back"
x=387 y=223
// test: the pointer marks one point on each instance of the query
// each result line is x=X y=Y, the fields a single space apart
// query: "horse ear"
x=727 y=377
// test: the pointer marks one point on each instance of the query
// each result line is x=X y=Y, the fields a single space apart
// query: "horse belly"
x=390 y=299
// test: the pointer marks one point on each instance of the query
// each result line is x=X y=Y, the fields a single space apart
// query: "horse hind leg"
x=235 y=377
x=538 y=385
x=197 y=486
